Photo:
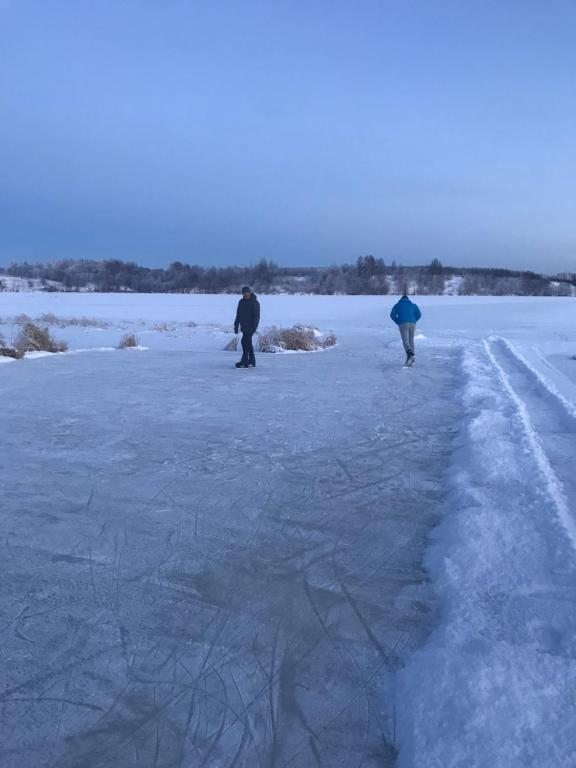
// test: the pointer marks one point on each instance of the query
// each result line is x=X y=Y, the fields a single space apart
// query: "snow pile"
x=232 y=345
x=495 y=683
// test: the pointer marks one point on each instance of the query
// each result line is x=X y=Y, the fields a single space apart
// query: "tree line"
x=368 y=275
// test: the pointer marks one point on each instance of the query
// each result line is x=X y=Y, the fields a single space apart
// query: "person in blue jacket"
x=406 y=314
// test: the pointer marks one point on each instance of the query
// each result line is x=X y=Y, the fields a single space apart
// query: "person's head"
x=246 y=292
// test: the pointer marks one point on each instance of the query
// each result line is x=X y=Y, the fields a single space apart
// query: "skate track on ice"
x=211 y=567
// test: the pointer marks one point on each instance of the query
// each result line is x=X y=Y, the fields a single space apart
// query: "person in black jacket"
x=247 y=318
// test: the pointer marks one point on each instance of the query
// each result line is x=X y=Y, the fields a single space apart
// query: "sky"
x=308 y=132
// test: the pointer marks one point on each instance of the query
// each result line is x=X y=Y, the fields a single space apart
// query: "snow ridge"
x=493 y=684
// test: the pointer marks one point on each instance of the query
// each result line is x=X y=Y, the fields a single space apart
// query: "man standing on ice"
x=247 y=318
x=406 y=314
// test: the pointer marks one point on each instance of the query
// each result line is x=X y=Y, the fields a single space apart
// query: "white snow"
x=549 y=476
x=204 y=565
x=453 y=285
x=19 y=284
x=494 y=684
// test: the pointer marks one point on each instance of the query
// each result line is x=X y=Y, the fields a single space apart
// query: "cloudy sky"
x=304 y=131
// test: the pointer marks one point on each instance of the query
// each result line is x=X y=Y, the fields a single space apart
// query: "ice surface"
x=205 y=566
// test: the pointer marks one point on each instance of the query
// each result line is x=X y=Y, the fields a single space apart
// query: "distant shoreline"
x=367 y=276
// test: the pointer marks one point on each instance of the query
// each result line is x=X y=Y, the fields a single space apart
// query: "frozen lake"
x=328 y=560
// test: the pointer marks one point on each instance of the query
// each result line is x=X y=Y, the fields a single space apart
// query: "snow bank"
x=495 y=683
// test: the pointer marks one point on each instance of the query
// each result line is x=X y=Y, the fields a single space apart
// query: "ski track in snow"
x=569 y=405
x=545 y=416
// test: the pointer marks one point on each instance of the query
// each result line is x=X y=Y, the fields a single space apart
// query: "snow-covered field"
x=9 y=283
x=328 y=560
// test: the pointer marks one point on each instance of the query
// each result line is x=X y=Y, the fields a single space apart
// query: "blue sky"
x=304 y=131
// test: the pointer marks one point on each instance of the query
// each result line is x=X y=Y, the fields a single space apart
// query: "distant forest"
x=368 y=275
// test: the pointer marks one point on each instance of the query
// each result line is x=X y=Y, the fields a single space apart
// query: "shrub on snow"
x=299 y=338
x=9 y=351
x=49 y=318
x=33 y=338
x=128 y=341
x=6 y=351
x=163 y=327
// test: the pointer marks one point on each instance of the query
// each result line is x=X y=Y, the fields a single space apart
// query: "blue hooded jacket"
x=405 y=311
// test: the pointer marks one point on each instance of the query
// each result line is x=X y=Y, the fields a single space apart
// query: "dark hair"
x=246 y=289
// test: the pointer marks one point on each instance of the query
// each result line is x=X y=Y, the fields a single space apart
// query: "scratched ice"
x=210 y=567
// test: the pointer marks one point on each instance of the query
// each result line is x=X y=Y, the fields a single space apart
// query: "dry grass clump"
x=232 y=345
x=330 y=340
x=163 y=327
x=299 y=338
x=34 y=338
x=7 y=351
x=10 y=352
x=49 y=318
x=293 y=339
x=128 y=341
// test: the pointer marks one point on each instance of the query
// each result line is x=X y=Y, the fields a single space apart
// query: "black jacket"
x=247 y=315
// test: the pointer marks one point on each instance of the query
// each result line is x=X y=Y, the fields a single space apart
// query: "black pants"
x=247 y=348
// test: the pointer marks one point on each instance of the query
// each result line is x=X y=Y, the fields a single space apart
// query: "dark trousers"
x=247 y=348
